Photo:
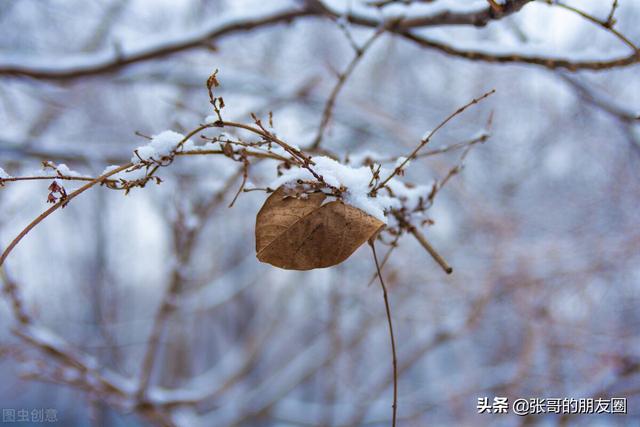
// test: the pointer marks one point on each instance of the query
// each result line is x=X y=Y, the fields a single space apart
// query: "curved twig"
x=393 y=340
x=427 y=138
x=55 y=207
x=342 y=78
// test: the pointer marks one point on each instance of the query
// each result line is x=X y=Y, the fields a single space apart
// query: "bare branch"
x=427 y=138
x=342 y=78
x=552 y=63
x=101 y=66
x=314 y=8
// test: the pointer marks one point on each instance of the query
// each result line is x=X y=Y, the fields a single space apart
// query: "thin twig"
x=393 y=341
x=245 y=176
x=297 y=155
x=425 y=244
x=393 y=245
x=426 y=140
x=50 y=177
x=610 y=19
x=606 y=24
x=55 y=207
x=423 y=241
x=483 y=137
x=342 y=78
x=10 y=288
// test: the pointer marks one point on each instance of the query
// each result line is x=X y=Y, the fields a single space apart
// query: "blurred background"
x=541 y=226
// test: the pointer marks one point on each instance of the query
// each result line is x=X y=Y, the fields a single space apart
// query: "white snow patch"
x=131 y=175
x=66 y=171
x=190 y=147
x=109 y=169
x=363 y=158
x=355 y=180
x=161 y=145
x=127 y=175
x=411 y=197
x=4 y=175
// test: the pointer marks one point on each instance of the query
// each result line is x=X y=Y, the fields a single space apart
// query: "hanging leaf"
x=303 y=234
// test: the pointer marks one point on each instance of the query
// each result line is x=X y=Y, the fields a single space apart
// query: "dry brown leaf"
x=303 y=234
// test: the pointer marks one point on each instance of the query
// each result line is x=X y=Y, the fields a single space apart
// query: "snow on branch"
x=403 y=26
x=376 y=192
